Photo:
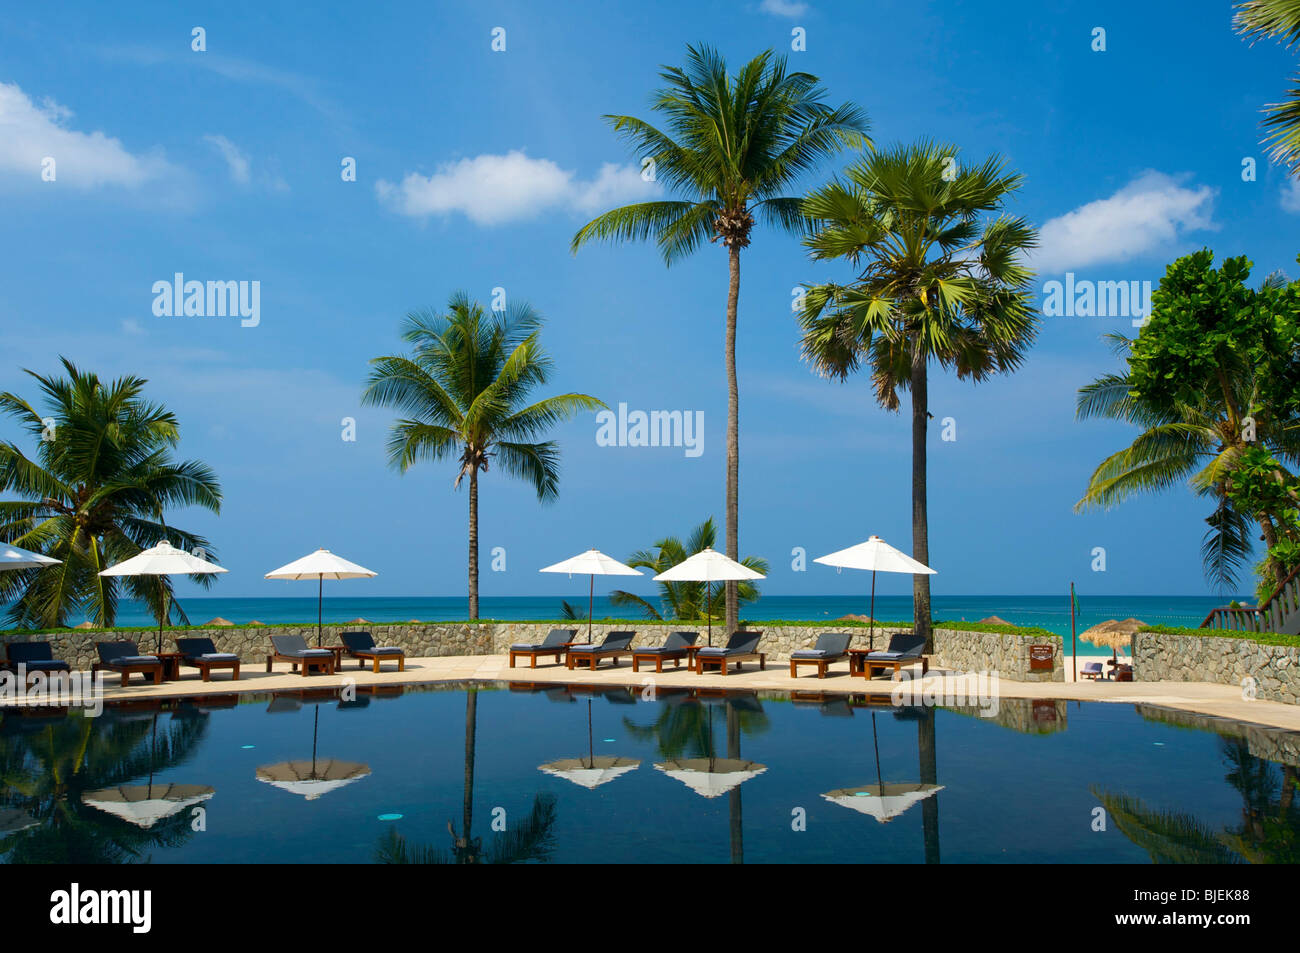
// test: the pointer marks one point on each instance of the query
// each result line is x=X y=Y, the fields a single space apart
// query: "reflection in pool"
x=494 y=773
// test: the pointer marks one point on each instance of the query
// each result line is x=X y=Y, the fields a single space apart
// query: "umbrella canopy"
x=163 y=559
x=711 y=777
x=14 y=557
x=320 y=565
x=1113 y=634
x=996 y=620
x=312 y=778
x=708 y=566
x=884 y=802
x=144 y=805
x=592 y=563
x=878 y=556
x=591 y=773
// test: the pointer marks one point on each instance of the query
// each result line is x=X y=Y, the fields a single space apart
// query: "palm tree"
x=731 y=148
x=1277 y=20
x=685 y=600
x=93 y=495
x=1200 y=443
x=940 y=278
x=464 y=391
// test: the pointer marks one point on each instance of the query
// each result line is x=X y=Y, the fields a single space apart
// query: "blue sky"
x=474 y=169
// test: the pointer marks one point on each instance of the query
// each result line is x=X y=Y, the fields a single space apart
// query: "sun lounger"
x=556 y=641
x=615 y=646
x=674 y=648
x=904 y=649
x=830 y=647
x=361 y=646
x=125 y=657
x=36 y=656
x=202 y=654
x=293 y=649
x=1092 y=670
x=1124 y=673
x=741 y=647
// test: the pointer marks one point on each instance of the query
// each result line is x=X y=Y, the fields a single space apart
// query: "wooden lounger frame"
x=702 y=662
x=594 y=656
x=821 y=664
x=534 y=651
x=323 y=662
x=646 y=655
x=131 y=668
x=365 y=655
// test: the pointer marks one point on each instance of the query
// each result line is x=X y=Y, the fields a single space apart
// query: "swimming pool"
x=571 y=774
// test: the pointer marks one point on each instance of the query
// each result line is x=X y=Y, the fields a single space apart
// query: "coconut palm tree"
x=685 y=600
x=465 y=391
x=1277 y=20
x=940 y=279
x=1199 y=443
x=731 y=146
x=93 y=494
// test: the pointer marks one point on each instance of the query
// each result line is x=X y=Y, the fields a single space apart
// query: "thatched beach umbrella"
x=996 y=620
x=1113 y=634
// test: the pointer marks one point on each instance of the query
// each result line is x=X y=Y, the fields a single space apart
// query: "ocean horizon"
x=1048 y=612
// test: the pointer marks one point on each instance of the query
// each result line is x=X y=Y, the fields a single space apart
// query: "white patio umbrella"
x=592 y=563
x=164 y=559
x=15 y=557
x=711 y=777
x=878 y=556
x=311 y=779
x=321 y=565
x=144 y=805
x=884 y=802
x=708 y=566
x=591 y=773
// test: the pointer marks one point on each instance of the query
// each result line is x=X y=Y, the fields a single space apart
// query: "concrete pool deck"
x=1224 y=701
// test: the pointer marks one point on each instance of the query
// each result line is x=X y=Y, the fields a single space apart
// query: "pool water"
x=568 y=774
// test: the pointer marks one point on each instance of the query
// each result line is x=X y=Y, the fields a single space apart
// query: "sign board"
x=1040 y=657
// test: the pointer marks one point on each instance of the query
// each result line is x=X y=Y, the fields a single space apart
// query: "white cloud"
x=236 y=160
x=1150 y=213
x=29 y=133
x=492 y=189
x=1291 y=195
x=784 y=8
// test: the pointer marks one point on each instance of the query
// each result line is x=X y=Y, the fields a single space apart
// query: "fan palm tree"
x=93 y=495
x=940 y=279
x=1277 y=20
x=685 y=600
x=731 y=147
x=465 y=390
x=1200 y=443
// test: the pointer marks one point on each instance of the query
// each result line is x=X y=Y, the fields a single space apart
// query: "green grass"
x=1029 y=630
x=1263 y=638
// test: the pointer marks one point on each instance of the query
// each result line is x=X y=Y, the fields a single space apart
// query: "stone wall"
x=1000 y=652
x=969 y=651
x=1159 y=656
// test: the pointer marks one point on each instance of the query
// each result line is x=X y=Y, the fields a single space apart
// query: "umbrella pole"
x=871 y=626
x=320 y=605
x=1074 y=637
x=708 y=610
x=591 y=601
x=591 y=751
x=880 y=781
x=162 y=614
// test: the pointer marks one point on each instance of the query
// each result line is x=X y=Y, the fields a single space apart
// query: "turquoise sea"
x=1048 y=612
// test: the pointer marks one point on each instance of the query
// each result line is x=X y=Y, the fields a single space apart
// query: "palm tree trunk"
x=733 y=434
x=734 y=810
x=925 y=739
x=471 y=725
x=920 y=518
x=473 y=543
x=1270 y=540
